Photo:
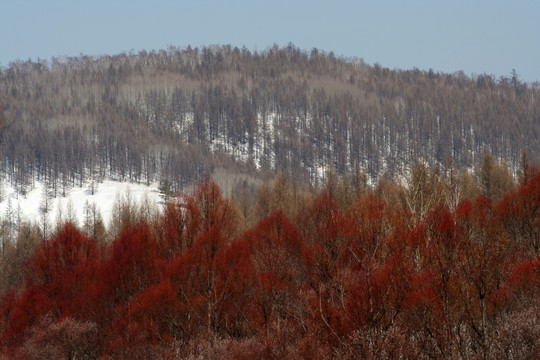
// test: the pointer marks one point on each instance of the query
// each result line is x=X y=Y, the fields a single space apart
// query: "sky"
x=474 y=36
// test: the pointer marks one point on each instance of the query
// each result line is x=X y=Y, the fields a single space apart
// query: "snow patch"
x=31 y=205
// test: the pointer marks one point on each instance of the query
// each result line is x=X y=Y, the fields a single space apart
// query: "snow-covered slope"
x=31 y=206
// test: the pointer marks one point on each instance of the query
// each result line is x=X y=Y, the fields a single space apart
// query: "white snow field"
x=30 y=206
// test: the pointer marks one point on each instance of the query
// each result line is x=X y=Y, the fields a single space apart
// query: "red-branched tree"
x=519 y=212
x=131 y=265
x=324 y=228
x=207 y=209
x=484 y=268
x=278 y=272
x=56 y=282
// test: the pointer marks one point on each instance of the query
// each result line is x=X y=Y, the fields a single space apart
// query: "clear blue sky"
x=476 y=36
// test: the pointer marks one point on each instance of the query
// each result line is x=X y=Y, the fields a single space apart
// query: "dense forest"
x=315 y=207
x=180 y=114
x=446 y=267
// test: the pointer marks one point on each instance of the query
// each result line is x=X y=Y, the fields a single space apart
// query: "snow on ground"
x=106 y=194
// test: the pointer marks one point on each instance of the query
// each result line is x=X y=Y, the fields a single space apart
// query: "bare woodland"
x=179 y=114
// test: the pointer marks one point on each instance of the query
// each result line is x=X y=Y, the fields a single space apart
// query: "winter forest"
x=180 y=114
x=312 y=207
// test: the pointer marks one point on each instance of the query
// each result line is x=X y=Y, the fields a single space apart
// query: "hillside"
x=181 y=113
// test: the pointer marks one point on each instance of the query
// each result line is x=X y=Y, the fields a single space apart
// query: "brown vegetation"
x=396 y=272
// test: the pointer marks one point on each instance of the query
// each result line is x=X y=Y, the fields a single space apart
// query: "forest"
x=315 y=207
x=443 y=266
x=181 y=114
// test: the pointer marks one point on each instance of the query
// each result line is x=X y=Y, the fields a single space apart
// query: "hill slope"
x=178 y=114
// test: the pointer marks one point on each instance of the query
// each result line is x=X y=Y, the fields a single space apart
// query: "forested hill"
x=180 y=113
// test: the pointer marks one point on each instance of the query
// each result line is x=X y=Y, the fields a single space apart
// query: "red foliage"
x=423 y=294
x=336 y=284
x=170 y=231
x=519 y=213
x=464 y=209
x=444 y=251
x=155 y=309
x=207 y=209
x=278 y=258
x=324 y=229
x=147 y=322
x=208 y=279
x=56 y=278
x=62 y=268
x=25 y=312
x=367 y=228
x=524 y=281
x=132 y=265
